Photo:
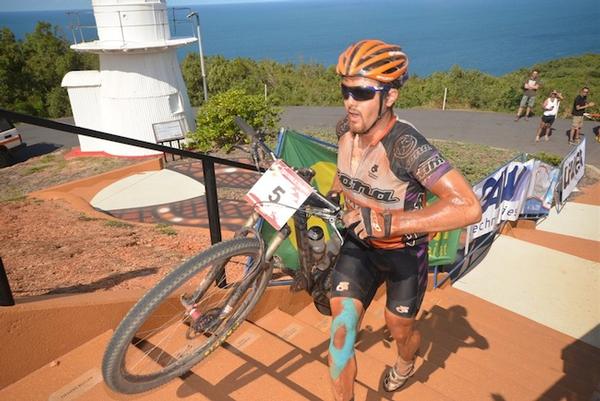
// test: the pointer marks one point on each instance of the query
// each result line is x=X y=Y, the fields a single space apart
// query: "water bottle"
x=316 y=242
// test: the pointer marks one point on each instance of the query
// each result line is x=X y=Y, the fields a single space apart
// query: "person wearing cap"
x=550 y=107
x=384 y=168
x=579 y=105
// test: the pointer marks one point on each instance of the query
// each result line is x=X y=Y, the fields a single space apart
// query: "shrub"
x=216 y=128
x=549 y=158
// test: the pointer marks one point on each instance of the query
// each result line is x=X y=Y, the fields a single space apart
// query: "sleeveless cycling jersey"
x=392 y=175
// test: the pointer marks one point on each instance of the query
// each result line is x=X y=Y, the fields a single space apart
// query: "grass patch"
x=117 y=224
x=85 y=217
x=165 y=228
x=48 y=158
x=35 y=169
x=475 y=161
x=550 y=158
x=15 y=198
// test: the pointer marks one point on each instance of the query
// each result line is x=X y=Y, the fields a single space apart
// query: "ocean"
x=494 y=36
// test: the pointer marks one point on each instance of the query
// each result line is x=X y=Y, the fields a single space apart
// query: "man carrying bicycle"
x=384 y=168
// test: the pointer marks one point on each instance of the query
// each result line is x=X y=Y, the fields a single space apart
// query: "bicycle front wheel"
x=186 y=316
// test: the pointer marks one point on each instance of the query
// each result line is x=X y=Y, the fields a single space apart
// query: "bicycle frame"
x=329 y=212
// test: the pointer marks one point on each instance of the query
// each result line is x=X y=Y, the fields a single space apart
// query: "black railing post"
x=6 y=297
x=212 y=209
x=212 y=205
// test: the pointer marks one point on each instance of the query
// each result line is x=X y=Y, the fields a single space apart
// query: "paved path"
x=486 y=128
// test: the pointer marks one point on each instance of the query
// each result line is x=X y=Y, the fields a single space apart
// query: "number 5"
x=276 y=195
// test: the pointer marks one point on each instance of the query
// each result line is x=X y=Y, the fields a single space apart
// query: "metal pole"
x=204 y=85
x=6 y=297
x=212 y=209
x=445 y=94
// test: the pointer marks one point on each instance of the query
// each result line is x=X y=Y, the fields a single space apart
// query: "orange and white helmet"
x=376 y=60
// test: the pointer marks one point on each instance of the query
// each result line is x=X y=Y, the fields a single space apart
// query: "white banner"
x=502 y=196
x=488 y=192
x=515 y=188
x=573 y=168
x=543 y=181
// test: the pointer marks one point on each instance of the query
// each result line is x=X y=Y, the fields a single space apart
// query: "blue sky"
x=34 y=5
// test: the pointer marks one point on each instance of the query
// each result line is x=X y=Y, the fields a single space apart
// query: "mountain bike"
x=196 y=307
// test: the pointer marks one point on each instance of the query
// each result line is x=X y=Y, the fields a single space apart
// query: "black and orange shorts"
x=361 y=269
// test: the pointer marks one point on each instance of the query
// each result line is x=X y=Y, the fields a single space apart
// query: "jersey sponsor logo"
x=365 y=189
x=343 y=286
x=402 y=309
x=428 y=166
x=415 y=154
x=373 y=171
x=404 y=146
x=375 y=222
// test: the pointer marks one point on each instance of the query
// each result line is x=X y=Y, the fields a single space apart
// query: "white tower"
x=139 y=91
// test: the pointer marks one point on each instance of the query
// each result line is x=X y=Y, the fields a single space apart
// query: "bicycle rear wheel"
x=185 y=316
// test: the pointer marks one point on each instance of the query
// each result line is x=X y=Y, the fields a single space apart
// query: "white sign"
x=573 y=168
x=488 y=191
x=518 y=176
x=168 y=131
x=502 y=196
x=278 y=194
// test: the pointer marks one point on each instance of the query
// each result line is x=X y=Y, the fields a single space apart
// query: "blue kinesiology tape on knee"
x=341 y=356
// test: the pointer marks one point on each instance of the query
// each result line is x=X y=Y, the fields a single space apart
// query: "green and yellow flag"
x=300 y=150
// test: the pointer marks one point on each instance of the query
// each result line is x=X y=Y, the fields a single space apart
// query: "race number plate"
x=278 y=194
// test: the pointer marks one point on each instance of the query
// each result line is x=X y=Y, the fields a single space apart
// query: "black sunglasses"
x=362 y=93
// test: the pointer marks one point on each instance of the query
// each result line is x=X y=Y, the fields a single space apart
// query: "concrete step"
x=537 y=334
x=479 y=363
x=299 y=375
x=77 y=376
x=542 y=357
x=316 y=343
x=256 y=365
x=253 y=365
x=451 y=375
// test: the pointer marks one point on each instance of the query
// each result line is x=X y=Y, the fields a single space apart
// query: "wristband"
x=376 y=224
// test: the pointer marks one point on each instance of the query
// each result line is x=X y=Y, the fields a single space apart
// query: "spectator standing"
x=550 y=107
x=579 y=106
x=530 y=87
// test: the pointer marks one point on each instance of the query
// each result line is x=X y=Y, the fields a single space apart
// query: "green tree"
x=192 y=75
x=216 y=128
x=13 y=80
x=48 y=59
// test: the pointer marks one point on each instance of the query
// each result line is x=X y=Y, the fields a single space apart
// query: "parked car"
x=10 y=142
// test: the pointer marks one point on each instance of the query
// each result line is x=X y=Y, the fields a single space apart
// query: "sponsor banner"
x=502 y=196
x=573 y=168
x=514 y=193
x=488 y=191
x=544 y=178
x=299 y=150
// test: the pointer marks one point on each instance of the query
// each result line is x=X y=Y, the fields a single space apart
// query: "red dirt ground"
x=47 y=247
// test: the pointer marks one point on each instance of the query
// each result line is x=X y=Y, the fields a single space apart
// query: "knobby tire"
x=117 y=356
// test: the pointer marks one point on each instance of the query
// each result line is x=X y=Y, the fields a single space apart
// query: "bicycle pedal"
x=300 y=283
